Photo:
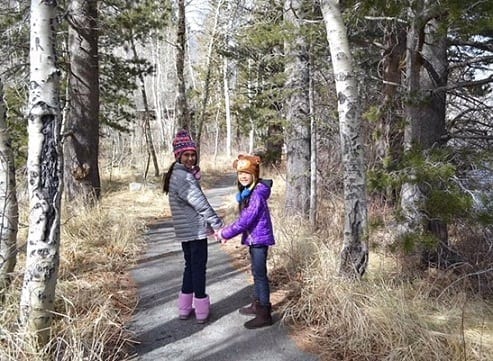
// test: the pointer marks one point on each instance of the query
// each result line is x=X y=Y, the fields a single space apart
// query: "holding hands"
x=219 y=237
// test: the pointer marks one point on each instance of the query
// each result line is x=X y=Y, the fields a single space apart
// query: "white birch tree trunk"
x=9 y=216
x=45 y=175
x=354 y=255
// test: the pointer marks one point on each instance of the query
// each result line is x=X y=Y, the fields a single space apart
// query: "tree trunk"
x=389 y=147
x=297 y=117
x=313 y=159
x=227 y=107
x=182 y=113
x=81 y=129
x=354 y=255
x=9 y=216
x=250 y=86
x=426 y=70
x=45 y=176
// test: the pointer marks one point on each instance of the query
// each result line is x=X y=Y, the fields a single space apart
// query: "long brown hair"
x=167 y=177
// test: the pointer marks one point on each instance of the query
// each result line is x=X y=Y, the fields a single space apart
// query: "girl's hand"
x=218 y=236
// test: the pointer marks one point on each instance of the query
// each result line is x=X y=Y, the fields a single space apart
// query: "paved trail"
x=163 y=336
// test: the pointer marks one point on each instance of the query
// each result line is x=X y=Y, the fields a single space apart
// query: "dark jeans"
x=195 y=254
x=258 y=259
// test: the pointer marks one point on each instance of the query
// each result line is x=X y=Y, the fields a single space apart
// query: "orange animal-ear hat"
x=248 y=164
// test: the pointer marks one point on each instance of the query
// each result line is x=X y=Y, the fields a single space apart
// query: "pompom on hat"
x=183 y=142
x=248 y=164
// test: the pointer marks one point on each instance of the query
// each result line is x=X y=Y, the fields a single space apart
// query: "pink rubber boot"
x=202 y=308
x=185 y=305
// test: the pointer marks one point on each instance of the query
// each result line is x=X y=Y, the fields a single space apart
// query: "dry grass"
x=385 y=316
x=95 y=296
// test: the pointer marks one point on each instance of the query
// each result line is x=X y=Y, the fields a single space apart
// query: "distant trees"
x=45 y=175
x=136 y=67
x=255 y=52
x=9 y=216
x=212 y=43
x=137 y=24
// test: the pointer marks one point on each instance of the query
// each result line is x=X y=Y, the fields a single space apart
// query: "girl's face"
x=188 y=158
x=245 y=178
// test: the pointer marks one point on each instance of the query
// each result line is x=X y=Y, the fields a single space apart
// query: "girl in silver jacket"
x=194 y=219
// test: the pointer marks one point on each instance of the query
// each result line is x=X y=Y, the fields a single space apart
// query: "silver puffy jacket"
x=193 y=216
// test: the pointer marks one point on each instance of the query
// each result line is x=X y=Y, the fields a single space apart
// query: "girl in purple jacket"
x=255 y=226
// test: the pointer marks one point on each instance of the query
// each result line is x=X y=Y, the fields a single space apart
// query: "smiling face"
x=188 y=158
x=245 y=178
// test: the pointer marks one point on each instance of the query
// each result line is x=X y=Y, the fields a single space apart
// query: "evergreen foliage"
x=122 y=22
x=17 y=122
x=441 y=175
x=258 y=52
x=14 y=71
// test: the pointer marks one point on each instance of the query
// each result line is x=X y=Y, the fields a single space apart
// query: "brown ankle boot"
x=250 y=309
x=263 y=317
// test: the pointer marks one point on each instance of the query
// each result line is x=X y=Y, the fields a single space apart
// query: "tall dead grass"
x=383 y=316
x=95 y=297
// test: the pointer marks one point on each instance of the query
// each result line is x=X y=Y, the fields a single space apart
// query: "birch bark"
x=354 y=255
x=45 y=172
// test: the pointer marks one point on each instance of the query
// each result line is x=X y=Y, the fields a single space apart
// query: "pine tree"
x=81 y=133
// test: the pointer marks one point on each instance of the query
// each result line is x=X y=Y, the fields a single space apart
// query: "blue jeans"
x=195 y=254
x=258 y=259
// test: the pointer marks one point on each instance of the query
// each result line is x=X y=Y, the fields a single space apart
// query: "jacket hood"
x=267 y=182
x=264 y=188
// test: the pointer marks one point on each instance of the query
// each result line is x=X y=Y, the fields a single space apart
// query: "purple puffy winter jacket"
x=254 y=222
